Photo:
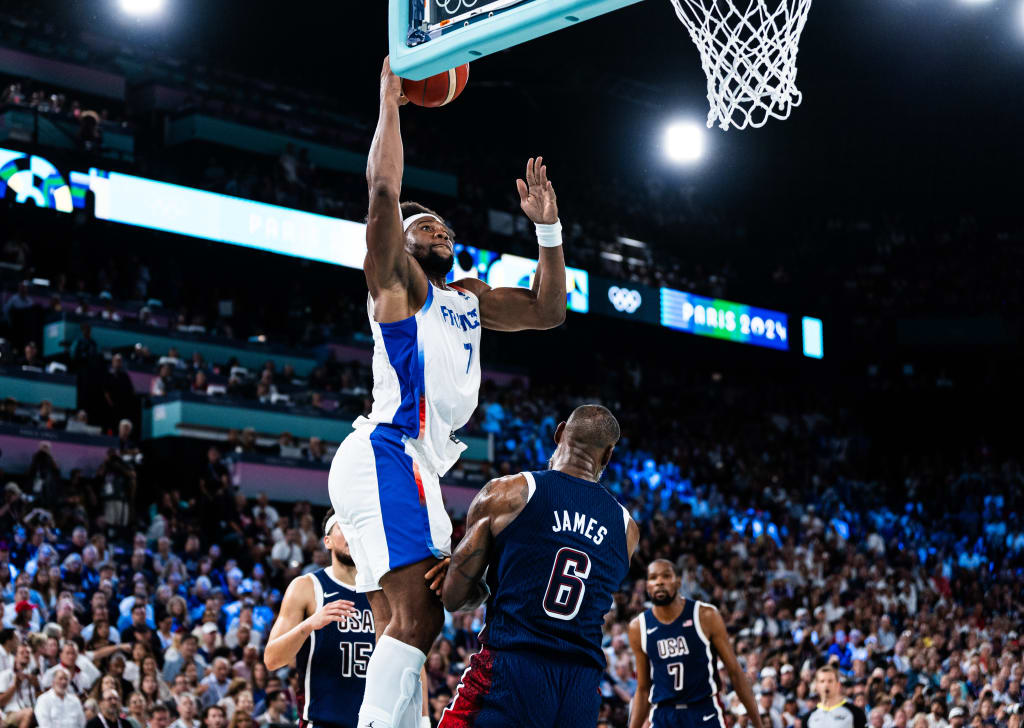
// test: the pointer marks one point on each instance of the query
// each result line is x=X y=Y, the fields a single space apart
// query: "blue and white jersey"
x=426 y=375
x=332 y=661
x=682 y=659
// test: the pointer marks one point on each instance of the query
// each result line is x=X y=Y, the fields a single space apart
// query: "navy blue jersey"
x=555 y=568
x=332 y=661
x=683 y=662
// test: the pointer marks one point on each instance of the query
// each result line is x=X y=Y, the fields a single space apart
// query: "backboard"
x=431 y=36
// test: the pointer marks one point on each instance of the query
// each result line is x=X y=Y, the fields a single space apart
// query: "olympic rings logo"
x=453 y=6
x=625 y=300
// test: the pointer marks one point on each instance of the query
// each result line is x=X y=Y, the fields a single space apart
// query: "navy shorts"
x=705 y=714
x=506 y=689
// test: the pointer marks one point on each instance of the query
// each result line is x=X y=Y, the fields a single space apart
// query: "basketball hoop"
x=748 y=50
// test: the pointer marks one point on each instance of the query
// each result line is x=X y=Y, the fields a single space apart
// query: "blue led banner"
x=721 y=319
x=199 y=214
x=196 y=213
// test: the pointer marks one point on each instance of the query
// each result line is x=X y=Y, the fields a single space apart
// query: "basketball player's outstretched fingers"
x=334 y=612
x=435 y=576
x=524 y=191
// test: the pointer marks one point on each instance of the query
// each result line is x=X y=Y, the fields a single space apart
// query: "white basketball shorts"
x=389 y=508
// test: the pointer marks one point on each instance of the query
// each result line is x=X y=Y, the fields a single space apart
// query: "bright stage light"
x=142 y=7
x=684 y=142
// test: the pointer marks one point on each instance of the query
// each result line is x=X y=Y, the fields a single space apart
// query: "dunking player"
x=426 y=380
x=327 y=628
x=677 y=644
x=549 y=548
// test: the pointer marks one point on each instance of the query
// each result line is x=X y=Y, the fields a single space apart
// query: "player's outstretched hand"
x=536 y=195
x=333 y=612
x=435 y=577
x=391 y=85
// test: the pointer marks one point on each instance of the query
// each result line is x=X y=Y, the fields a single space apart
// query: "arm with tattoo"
x=494 y=507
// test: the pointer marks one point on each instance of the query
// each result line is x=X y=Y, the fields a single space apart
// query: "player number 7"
x=469 y=348
x=675 y=669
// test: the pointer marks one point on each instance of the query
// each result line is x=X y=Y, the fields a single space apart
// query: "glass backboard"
x=431 y=36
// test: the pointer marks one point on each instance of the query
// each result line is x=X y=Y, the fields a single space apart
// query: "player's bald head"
x=593 y=427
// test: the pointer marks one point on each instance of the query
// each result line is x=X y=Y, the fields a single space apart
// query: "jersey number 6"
x=566 y=587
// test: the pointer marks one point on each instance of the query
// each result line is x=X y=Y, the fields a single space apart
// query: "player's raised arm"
x=292 y=626
x=386 y=260
x=543 y=305
x=494 y=507
x=713 y=626
x=640 y=708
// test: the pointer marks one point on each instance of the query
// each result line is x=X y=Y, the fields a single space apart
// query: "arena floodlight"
x=975 y=2
x=142 y=8
x=684 y=142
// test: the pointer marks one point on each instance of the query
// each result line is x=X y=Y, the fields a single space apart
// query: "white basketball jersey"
x=426 y=375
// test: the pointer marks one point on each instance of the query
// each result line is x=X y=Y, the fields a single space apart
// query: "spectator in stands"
x=109 y=713
x=172 y=358
x=163 y=383
x=84 y=350
x=90 y=134
x=215 y=685
x=175 y=661
x=287 y=447
x=119 y=391
x=127 y=445
x=43 y=417
x=316 y=452
x=44 y=475
x=79 y=667
x=19 y=687
x=58 y=707
x=277 y=710
x=9 y=411
x=214 y=717
x=79 y=423
x=31 y=358
x=199 y=383
x=238 y=697
x=159 y=716
x=136 y=713
x=186 y=707
x=248 y=442
x=287 y=550
x=117 y=491
x=269 y=512
x=18 y=302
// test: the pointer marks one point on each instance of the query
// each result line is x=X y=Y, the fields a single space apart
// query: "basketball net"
x=748 y=51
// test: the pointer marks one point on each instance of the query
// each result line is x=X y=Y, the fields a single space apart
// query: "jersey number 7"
x=566 y=587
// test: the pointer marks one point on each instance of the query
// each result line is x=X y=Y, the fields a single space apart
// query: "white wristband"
x=549 y=236
x=425 y=721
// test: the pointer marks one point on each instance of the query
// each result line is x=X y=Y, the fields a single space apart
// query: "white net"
x=748 y=50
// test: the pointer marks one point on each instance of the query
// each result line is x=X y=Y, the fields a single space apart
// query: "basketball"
x=437 y=90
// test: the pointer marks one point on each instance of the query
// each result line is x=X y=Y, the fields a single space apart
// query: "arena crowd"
x=148 y=618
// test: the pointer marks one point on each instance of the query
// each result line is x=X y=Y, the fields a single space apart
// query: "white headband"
x=410 y=221
x=331 y=523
